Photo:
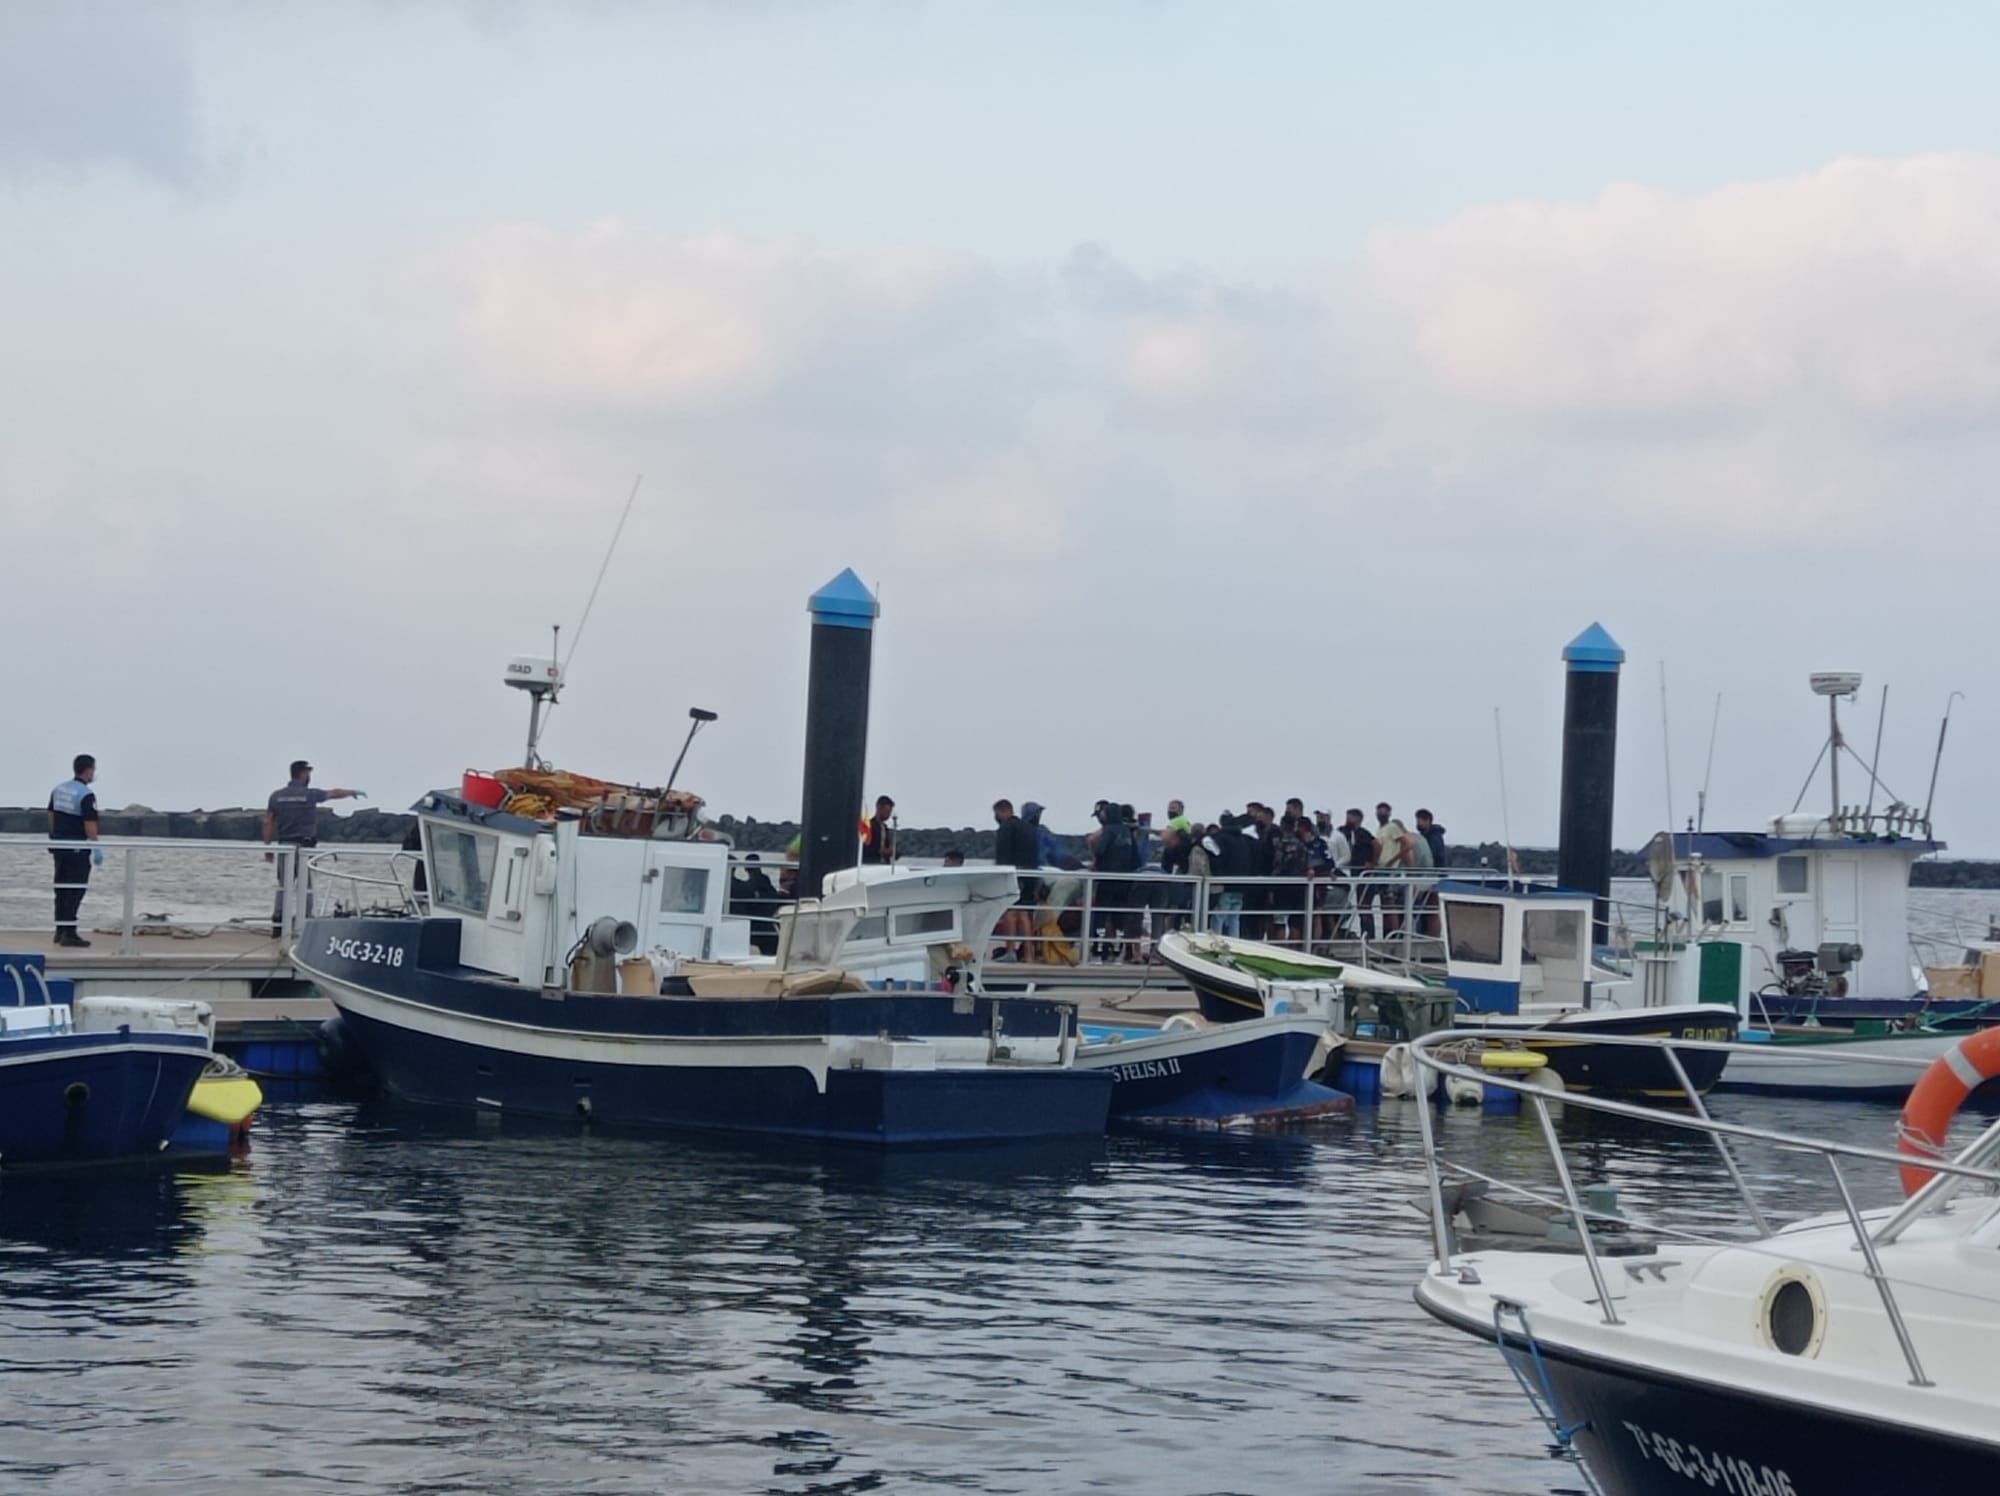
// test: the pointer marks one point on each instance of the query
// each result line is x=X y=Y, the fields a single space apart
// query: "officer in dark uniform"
x=73 y=818
x=291 y=818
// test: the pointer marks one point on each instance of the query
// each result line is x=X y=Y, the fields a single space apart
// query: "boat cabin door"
x=686 y=883
x=1840 y=900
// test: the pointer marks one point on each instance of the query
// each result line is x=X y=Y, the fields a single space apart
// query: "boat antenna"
x=1506 y=828
x=698 y=719
x=1931 y=793
x=603 y=567
x=1666 y=747
x=1881 y=714
x=1708 y=770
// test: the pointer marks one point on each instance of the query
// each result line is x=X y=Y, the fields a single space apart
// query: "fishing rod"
x=1931 y=793
x=1708 y=770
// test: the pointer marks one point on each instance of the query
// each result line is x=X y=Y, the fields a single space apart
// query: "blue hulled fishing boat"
x=96 y=1080
x=578 y=962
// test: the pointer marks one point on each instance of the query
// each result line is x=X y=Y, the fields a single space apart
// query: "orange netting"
x=616 y=809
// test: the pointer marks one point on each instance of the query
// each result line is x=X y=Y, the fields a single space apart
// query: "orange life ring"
x=1953 y=1076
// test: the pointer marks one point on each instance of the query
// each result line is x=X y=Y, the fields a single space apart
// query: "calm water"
x=398 y=1301
x=395 y=1301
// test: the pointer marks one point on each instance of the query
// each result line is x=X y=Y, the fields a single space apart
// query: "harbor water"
x=381 y=1299
x=401 y=1301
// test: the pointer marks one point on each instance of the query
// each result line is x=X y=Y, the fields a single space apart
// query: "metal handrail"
x=1324 y=914
x=1431 y=1054
x=122 y=875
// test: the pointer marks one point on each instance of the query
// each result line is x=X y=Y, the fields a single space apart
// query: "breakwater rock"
x=217 y=825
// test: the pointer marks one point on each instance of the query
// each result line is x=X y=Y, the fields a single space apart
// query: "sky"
x=1226 y=402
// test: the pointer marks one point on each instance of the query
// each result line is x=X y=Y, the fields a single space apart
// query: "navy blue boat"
x=1249 y=1074
x=77 y=1092
x=562 y=970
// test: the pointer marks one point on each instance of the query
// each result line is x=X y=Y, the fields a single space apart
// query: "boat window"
x=462 y=868
x=1711 y=896
x=1792 y=1320
x=925 y=922
x=874 y=927
x=1552 y=934
x=1792 y=876
x=1739 y=898
x=683 y=890
x=1475 y=931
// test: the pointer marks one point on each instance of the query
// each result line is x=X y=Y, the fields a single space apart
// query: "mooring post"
x=843 y=639
x=1589 y=770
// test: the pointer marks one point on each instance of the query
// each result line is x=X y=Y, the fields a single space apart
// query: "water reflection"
x=387 y=1299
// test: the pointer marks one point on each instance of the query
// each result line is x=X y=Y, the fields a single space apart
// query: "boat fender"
x=1953 y=1076
x=1512 y=1059
x=1402 y=1076
x=1460 y=1090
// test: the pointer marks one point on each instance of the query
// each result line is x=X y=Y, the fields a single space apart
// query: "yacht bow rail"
x=1445 y=1054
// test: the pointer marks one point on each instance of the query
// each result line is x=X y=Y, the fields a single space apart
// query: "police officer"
x=291 y=818
x=73 y=818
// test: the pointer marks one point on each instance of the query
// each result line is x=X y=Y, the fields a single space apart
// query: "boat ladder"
x=1540 y=1394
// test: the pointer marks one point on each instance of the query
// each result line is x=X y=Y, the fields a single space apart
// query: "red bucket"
x=482 y=789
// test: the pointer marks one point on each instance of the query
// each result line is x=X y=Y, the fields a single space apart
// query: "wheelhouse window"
x=1552 y=934
x=921 y=922
x=1739 y=898
x=1711 y=896
x=683 y=890
x=1792 y=874
x=1475 y=931
x=462 y=868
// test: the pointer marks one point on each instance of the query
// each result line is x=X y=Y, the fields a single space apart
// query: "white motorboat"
x=1848 y=1351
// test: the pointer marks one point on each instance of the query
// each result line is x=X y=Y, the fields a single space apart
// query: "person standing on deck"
x=73 y=818
x=291 y=819
x=878 y=833
x=1016 y=845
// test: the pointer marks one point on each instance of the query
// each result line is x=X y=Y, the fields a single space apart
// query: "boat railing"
x=1386 y=918
x=167 y=886
x=362 y=880
x=1450 y=1053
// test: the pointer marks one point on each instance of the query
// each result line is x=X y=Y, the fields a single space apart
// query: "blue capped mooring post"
x=1590 y=770
x=843 y=639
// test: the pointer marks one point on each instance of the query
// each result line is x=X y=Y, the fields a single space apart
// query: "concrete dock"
x=214 y=965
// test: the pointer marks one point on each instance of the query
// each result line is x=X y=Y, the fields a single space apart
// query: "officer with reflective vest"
x=73 y=818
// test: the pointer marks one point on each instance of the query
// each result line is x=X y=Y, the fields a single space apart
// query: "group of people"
x=1333 y=895
x=291 y=820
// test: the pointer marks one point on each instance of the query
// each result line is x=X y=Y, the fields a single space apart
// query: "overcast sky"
x=1228 y=401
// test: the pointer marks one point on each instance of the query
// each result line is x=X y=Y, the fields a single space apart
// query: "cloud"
x=91 y=83
x=1753 y=359
x=1866 y=288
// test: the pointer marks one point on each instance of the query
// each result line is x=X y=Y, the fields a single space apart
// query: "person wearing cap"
x=1046 y=849
x=291 y=819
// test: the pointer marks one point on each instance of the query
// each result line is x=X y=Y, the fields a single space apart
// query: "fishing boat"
x=1520 y=957
x=1187 y=1073
x=573 y=959
x=1847 y=1351
x=1234 y=980
x=1801 y=920
x=91 y=1080
x=1516 y=956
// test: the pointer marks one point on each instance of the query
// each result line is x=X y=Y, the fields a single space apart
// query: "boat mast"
x=1833 y=685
